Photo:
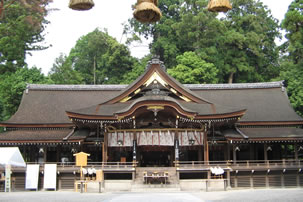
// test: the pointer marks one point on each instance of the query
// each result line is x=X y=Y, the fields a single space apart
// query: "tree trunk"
x=231 y=77
x=95 y=70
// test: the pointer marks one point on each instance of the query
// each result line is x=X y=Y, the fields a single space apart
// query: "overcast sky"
x=67 y=26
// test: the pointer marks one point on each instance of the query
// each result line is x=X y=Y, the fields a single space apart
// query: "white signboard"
x=50 y=176
x=7 y=178
x=32 y=176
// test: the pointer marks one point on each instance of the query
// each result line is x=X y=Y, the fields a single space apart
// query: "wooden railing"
x=240 y=165
x=71 y=167
x=180 y=165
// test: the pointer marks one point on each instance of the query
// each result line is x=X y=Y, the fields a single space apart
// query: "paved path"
x=268 y=195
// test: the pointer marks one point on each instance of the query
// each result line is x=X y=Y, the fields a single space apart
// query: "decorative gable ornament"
x=146 y=11
x=219 y=5
x=81 y=5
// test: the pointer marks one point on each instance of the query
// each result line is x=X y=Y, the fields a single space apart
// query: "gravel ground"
x=268 y=195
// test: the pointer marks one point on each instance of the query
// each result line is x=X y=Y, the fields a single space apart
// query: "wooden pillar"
x=267 y=180
x=45 y=154
x=105 y=148
x=251 y=179
x=282 y=180
x=298 y=179
x=234 y=154
x=58 y=153
x=236 y=181
x=265 y=152
x=296 y=151
x=200 y=155
x=228 y=178
x=251 y=151
x=206 y=150
x=208 y=175
x=228 y=151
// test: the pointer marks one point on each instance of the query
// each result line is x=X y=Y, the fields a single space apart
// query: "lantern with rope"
x=81 y=5
x=146 y=11
x=219 y=5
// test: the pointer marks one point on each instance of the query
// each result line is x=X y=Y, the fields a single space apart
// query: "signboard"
x=50 y=176
x=7 y=178
x=81 y=158
x=32 y=176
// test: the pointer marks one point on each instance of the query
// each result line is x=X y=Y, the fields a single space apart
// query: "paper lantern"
x=81 y=5
x=219 y=5
x=146 y=11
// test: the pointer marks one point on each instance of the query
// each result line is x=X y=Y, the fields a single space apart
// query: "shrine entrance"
x=155 y=156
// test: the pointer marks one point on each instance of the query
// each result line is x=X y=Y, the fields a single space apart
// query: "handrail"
x=89 y=164
x=240 y=164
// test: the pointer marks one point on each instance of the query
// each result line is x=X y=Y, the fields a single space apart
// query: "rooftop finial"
x=156 y=60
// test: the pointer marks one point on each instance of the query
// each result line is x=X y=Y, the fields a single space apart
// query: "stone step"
x=172 y=174
x=155 y=187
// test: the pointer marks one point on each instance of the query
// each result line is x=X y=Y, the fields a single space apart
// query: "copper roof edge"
x=274 y=84
x=118 y=87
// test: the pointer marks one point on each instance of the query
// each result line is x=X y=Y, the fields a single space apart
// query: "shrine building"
x=247 y=131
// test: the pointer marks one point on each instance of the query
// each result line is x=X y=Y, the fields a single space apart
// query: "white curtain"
x=157 y=138
x=186 y=136
x=126 y=138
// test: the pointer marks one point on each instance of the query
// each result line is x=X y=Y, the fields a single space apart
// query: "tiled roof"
x=265 y=133
x=27 y=135
x=47 y=104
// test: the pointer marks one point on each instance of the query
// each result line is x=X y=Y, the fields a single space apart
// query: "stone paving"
x=274 y=195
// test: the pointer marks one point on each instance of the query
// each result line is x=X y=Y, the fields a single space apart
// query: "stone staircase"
x=172 y=183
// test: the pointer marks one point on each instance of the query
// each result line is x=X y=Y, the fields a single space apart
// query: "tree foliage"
x=21 y=26
x=12 y=86
x=194 y=70
x=292 y=61
x=241 y=44
x=249 y=48
x=63 y=72
x=293 y=24
x=100 y=58
x=137 y=70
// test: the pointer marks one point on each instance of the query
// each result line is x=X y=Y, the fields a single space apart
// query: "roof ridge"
x=76 y=87
x=274 y=84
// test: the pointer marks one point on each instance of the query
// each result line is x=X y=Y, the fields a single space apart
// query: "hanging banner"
x=50 y=176
x=121 y=138
x=156 y=138
x=32 y=176
x=191 y=137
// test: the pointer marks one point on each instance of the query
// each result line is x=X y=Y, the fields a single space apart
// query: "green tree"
x=292 y=74
x=248 y=47
x=292 y=61
x=293 y=24
x=137 y=70
x=63 y=72
x=240 y=44
x=100 y=58
x=12 y=86
x=193 y=69
x=168 y=38
x=21 y=26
